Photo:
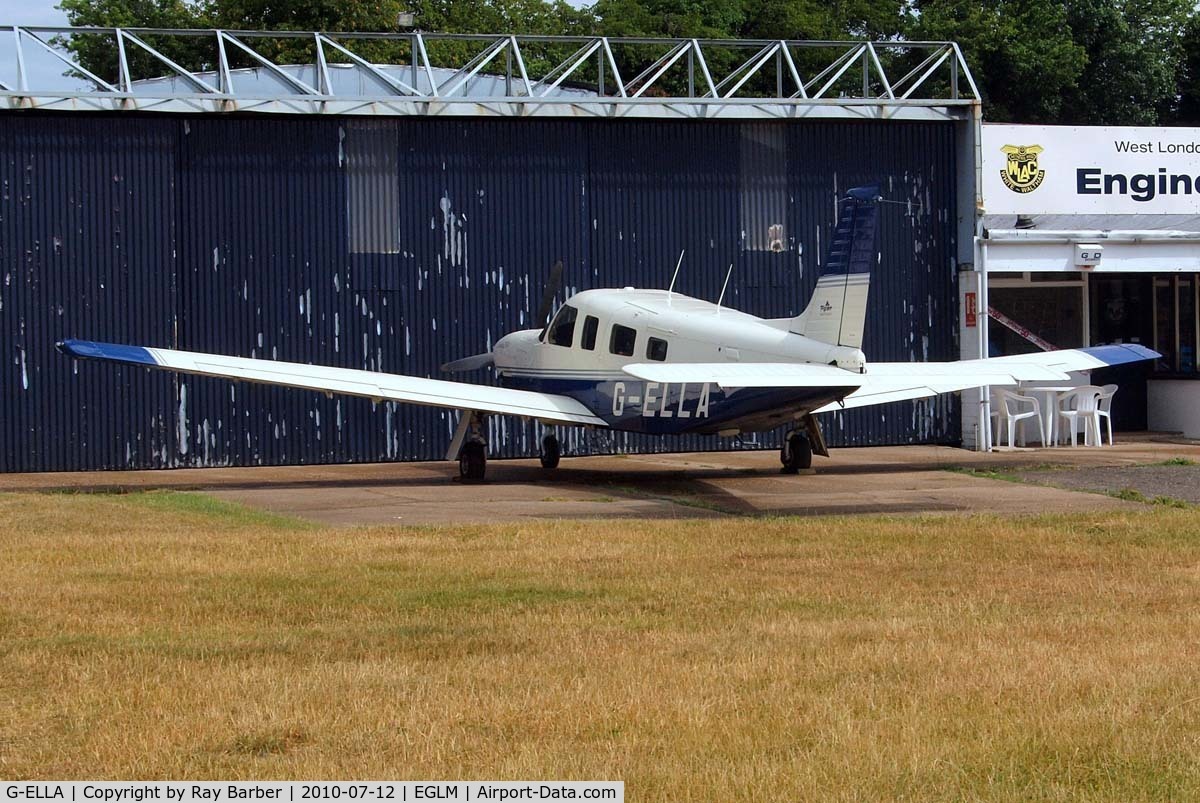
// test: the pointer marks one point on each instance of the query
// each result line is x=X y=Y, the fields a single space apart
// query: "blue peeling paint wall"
x=398 y=244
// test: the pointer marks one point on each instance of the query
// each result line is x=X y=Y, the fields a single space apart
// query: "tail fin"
x=837 y=310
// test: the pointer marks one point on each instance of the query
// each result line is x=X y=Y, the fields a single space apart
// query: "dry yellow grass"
x=945 y=658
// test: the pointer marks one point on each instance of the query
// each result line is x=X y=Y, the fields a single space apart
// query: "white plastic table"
x=1047 y=396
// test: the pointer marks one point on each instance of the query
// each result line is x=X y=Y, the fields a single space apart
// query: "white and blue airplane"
x=659 y=362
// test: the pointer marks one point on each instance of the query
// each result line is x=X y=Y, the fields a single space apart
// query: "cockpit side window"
x=656 y=349
x=623 y=340
x=588 y=339
x=562 y=329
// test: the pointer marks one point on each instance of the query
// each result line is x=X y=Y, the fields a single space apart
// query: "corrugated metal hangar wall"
x=397 y=244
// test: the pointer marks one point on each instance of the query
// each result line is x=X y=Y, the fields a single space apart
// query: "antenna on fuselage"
x=728 y=273
x=675 y=275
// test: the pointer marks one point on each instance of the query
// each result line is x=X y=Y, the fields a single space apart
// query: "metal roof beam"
x=452 y=87
x=657 y=68
x=79 y=68
x=942 y=56
x=183 y=72
x=472 y=68
x=748 y=68
x=612 y=63
x=795 y=73
x=270 y=66
x=561 y=71
x=848 y=58
x=908 y=76
x=887 y=87
x=394 y=83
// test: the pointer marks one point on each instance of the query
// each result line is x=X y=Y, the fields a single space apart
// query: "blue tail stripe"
x=852 y=250
x=114 y=352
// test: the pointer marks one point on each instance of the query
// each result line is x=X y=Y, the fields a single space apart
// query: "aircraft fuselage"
x=583 y=351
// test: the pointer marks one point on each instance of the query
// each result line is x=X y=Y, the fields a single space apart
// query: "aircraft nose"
x=516 y=349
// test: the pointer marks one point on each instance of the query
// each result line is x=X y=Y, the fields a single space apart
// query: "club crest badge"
x=1021 y=173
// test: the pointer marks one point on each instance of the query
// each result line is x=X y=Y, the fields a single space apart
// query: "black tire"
x=798 y=454
x=550 y=452
x=472 y=462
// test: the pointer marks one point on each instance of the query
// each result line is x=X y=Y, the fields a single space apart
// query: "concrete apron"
x=903 y=480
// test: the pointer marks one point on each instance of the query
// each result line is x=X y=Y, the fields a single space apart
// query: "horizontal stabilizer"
x=812 y=375
x=895 y=381
x=747 y=375
x=348 y=381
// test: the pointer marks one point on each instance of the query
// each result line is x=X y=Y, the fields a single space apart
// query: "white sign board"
x=1078 y=170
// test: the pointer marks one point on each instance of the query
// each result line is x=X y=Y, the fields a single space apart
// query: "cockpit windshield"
x=562 y=328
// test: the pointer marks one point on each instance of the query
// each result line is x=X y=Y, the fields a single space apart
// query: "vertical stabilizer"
x=837 y=311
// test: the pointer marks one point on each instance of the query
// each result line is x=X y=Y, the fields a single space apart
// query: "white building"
x=1090 y=236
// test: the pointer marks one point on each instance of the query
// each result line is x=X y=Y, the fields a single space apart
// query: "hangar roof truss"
x=430 y=74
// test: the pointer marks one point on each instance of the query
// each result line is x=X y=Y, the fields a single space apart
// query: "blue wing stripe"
x=113 y=352
x=1121 y=354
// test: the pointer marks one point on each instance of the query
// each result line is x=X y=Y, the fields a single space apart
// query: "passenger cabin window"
x=623 y=340
x=656 y=349
x=590 y=324
x=562 y=330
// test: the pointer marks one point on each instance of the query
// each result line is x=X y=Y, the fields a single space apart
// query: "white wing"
x=895 y=381
x=348 y=381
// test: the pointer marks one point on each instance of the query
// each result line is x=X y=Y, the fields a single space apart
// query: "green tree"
x=99 y=53
x=1184 y=107
x=450 y=16
x=534 y=17
x=701 y=19
x=1020 y=52
x=812 y=19
x=1035 y=61
x=1134 y=49
x=1114 y=62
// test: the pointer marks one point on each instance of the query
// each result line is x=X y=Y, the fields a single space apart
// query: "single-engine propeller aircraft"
x=658 y=362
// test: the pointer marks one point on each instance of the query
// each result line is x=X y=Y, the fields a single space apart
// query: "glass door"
x=1122 y=312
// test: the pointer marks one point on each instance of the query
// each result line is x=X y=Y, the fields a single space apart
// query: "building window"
x=656 y=349
x=1175 y=323
x=1030 y=319
x=622 y=341
x=562 y=330
x=588 y=339
x=763 y=192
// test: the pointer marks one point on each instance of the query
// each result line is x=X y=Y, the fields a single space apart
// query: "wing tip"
x=113 y=352
x=1121 y=353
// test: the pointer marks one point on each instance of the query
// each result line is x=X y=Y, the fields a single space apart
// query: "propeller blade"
x=553 y=283
x=471 y=363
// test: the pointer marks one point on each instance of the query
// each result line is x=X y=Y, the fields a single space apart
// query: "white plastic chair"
x=1081 y=405
x=1104 y=407
x=1007 y=405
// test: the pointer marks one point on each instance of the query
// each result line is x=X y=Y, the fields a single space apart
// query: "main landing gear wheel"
x=550 y=452
x=796 y=454
x=472 y=461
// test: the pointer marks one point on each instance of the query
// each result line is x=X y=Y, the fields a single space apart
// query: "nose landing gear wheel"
x=550 y=452
x=796 y=454
x=472 y=461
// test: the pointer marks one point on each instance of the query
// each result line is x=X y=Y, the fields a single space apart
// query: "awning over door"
x=1092 y=243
